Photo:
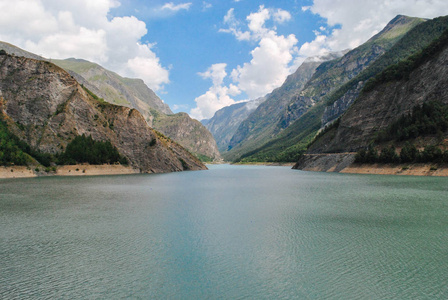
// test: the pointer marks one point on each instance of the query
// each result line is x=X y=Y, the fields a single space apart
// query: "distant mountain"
x=134 y=93
x=259 y=125
x=190 y=133
x=225 y=122
x=127 y=92
x=391 y=98
x=46 y=108
x=298 y=123
x=114 y=88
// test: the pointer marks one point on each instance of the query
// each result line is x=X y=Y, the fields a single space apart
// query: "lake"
x=233 y=232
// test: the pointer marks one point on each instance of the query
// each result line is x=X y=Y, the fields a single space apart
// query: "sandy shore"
x=269 y=164
x=344 y=163
x=410 y=170
x=72 y=170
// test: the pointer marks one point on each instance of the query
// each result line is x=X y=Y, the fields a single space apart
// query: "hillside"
x=189 y=133
x=113 y=88
x=260 y=124
x=46 y=108
x=395 y=93
x=226 y=121
x=135 y=94
x=303 y=120
x=116 y=89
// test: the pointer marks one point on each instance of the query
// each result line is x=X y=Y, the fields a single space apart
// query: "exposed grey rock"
x=46 y=107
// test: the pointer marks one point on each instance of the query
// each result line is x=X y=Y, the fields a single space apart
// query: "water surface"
x=233 y=232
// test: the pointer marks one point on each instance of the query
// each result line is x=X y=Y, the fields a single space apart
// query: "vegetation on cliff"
x=428 y=119
x=402 y=69
x=11 y=148
x=84 y=149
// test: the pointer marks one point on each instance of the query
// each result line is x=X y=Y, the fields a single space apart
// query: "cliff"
x=259 y=126
x=190 y=133
x=226 y=121
x=298 y=123
x=393 y=93
x=135 y=94
x=129 y=92
x=46 y=107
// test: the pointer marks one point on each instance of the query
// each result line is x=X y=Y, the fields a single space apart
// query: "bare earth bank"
x=344 y=163
x=72 y=170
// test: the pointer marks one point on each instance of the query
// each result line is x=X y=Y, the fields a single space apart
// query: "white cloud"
x=82 y=29
x=360 y=20
x=271 y=61
x=281 y=16
x=206 y=5
x=173 y=7
x=217 y=97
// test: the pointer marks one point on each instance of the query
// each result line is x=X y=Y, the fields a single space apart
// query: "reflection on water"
x=232 y=232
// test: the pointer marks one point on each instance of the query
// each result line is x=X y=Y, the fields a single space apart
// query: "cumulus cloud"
x=357 y=21
x=173 y=7
x=271 y=61
x=82 y=29
x=218 y=95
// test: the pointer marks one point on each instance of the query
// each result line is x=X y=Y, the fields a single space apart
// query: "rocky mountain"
x=132 y=93
x=422 y=78
x=189 y=133
x=414 y=41
x=258 y=127
x=46 y=107
x=296 y=125
x=226 y=121
x=114 y=88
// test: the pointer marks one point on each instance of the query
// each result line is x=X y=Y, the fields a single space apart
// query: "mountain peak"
x=397 y=27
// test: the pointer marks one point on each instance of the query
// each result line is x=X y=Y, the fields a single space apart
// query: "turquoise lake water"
x=233 y=232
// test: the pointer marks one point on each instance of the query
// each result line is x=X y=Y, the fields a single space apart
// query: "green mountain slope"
x=328 y=77
x=44 y=110
x=226 y=121
x=294 y=139
x=402 y=107
x=259 y=125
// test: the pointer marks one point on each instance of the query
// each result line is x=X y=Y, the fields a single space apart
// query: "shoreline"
x=345 y=163
x=267 y=164
x=403 y=170
x=68 y=170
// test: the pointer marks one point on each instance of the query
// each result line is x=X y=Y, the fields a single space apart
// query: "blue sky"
x=199 y=56
x=190 y=40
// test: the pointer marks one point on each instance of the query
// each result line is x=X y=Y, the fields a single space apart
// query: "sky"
x=199 y=56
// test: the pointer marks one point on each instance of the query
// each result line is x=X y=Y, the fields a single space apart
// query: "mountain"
x=298 y=123
x=114 y=88
x=390 y=101
x=46 y=108
x=189 y=133
x=134 y=93
x=131 y=93
x=225 y=121
x=260 y=124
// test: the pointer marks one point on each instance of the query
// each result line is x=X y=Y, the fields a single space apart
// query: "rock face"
x=46 y=107
x=412 y=42
x=132 y=93
x=375 y=110
x=259 y=126
x=379 y=106
x=298 y=120
x=190 y=133
x=225 y=122
x=115 y=89
x=135 y=94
